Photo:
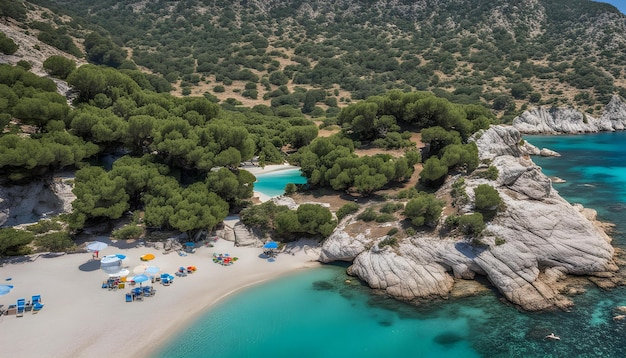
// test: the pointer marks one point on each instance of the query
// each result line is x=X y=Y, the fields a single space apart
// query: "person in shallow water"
x=552 y=336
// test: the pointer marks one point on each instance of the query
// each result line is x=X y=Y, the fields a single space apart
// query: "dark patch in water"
x=323 y=286
x=385 y=323
x=448 y=338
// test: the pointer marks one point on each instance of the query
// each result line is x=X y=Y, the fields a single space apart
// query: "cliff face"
x=526 y=249
x=568 y=121
x=20 y=204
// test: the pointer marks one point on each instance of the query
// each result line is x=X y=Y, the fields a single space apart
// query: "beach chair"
x=21 y=307
x=165 y=279
x=129 y=297
x=36 y=299
x=37 y=307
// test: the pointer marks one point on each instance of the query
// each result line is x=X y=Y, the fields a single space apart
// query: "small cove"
x=315 y=313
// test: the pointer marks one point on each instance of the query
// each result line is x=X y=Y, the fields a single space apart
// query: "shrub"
x=392 y=232
x=471 y=224
x=56 y=241
x=43 y=226
x=500 y=241
x=59 y=66
x=368 y=215
x=388 y=241
x=128 y=232
x=347 y=209
x=390 y=208
x=219 y=89
x=486 y=197
x=290 y=188
x=425 y=209
x=384 y=218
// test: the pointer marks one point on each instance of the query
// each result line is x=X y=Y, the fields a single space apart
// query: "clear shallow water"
x=316 y=314
x=273 y=184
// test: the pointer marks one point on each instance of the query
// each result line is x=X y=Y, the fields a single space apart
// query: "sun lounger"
x=21 y=307
x=129 y=297
x=37 y=307
x=36 y=299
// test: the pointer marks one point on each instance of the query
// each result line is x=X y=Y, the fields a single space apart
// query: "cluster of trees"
x=56 y=37
x=330 y=161
x=308 y=219
x=7 y=45
x=362 y=54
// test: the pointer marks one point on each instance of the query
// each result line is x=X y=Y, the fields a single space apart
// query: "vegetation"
x=425 y=209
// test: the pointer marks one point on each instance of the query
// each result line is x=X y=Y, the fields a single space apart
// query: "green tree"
x=486 y=197
x=425 y=209
x=13 y=242
x=7 y=45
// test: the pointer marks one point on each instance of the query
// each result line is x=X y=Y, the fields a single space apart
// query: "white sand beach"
x=81 y=319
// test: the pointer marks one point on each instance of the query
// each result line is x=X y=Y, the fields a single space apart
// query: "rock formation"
x=567 y=120
x=21 y=204
x=526 y=249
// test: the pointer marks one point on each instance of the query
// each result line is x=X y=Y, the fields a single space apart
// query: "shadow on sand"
x=91 y=265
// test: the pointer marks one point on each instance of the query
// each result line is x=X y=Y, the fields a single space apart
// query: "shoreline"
x=82 y=319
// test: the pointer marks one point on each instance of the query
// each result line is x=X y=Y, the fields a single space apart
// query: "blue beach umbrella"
x=141 y=279
x=152 y=270
x=121 y=256
x=5 y=289
x=271 y=245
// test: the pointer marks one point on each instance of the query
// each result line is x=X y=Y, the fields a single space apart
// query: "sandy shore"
x=81 y=319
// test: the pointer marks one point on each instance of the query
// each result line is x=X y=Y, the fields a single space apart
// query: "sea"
x=322 y=312
x=273 y=183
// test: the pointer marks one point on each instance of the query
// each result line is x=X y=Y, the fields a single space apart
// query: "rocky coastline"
x=552 y=121
x=527 y=253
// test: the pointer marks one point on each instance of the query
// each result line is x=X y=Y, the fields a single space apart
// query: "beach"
x=81 y=319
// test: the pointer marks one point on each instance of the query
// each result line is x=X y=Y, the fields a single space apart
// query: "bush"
x=219 y=89
x=55 y=242
x=347 y=209
x=500 y=241
x=13 y=242
x=128 y=232
x=388 y=241
x=486 y=197
x=59 y=66
x=390 y=208
x=384 y=218
x=392 y=232
x=368 y=215
x=290 y=188
x=43 y=226
x=472 y=224
x=425 y=209
x=7 y=45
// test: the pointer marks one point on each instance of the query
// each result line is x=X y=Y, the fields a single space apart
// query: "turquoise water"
x=315 y=313
x=273 y=184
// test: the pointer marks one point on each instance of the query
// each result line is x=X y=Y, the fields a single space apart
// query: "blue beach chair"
x=21 y=307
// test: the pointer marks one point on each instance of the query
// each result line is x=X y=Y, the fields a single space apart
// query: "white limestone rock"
x=529 y=246
x=568 y=120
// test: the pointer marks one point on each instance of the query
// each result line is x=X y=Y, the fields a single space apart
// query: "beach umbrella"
x=190 y=244
x=140 y=269
x=152 y=270
x=140 y=279
x=120 y=273
x=121 y=256
x=5 y=289
x=147 y=257
x=97 y=246
x=271 y=245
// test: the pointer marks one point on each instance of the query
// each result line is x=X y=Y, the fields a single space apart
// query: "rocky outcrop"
x=527 y=249
x=20 y=204
x=567 y=120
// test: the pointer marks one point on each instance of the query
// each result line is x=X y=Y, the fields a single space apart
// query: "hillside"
x=506 y=54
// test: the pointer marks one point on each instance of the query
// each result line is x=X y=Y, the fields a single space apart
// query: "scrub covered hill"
x=506 y=54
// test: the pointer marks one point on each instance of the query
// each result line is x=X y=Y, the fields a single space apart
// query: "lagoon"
x=273 y=183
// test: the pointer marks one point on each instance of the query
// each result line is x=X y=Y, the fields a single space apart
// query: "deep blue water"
x=273 y=184
x=315 y=313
